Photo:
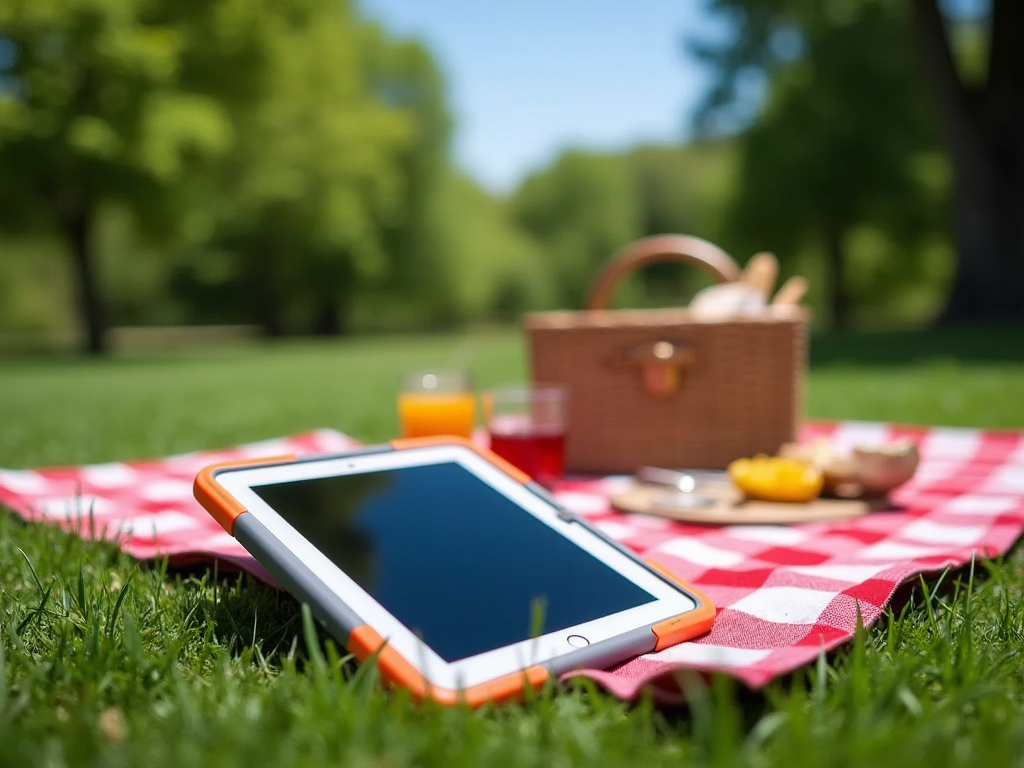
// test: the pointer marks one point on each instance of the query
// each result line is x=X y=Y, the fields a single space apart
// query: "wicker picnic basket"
x=662 y=387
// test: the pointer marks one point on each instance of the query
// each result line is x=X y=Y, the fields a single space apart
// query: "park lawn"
x=107 y=662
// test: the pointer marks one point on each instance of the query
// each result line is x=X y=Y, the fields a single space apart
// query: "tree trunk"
x=984 y=133
x=341 y=305
x=989 y=219
x=325 y=317
x=837 y=293
x=268 y=307
x=76 y=217
x=331 y=298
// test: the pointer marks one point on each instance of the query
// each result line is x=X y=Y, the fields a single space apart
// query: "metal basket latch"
x=660 y=363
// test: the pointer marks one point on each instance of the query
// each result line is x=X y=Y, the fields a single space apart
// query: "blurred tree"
x=580 y=210
x=404 y=75
x=315 y=175
x=103 y=100
x=32 y=280
x=485 y=267
x=839 y=144
x=981 y=122
x=496 y=269
x=666 y=199
x=684 y=189
x=249 y=134
x=438 y=249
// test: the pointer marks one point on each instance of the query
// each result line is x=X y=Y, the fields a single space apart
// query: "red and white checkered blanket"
x=783 y=593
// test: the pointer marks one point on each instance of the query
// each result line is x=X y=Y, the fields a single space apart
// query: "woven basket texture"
x=739 y=396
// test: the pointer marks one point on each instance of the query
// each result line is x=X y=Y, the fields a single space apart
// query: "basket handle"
x=682 y=248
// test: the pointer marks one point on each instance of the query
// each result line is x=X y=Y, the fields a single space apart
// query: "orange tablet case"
x=364 y=642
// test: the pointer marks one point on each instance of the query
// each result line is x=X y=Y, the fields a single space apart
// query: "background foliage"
x=287 y=168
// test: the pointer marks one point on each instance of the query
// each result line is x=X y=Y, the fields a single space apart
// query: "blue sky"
x=528 y=78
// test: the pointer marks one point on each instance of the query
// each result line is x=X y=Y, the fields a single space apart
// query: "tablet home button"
x=577 y=641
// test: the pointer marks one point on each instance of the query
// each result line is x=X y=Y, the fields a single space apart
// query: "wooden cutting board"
x=727 y=507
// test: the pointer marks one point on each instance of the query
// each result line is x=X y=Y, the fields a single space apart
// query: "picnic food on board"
x=806 y=482
x=872 y=470
x=804 y=471
x=772 y=478
x=770 y=491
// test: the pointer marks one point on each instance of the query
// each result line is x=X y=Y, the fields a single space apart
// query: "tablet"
x=464 y=580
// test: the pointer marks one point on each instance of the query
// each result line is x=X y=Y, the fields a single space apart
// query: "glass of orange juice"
x=435 y=402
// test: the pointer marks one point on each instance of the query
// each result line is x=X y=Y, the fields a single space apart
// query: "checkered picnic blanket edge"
x=783 y=593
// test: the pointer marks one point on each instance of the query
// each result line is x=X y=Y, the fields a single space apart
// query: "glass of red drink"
x=526 y=424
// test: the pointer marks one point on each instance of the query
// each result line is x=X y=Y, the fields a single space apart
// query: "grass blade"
x=37 y=611
x=32 y=569
x=122 y=593
x=3 y=680
x=82 y=605
x=312 y=639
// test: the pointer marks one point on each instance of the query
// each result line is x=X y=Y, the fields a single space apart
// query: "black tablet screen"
x=453 y=559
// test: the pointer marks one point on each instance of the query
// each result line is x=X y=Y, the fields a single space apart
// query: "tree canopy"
x=288 y=166
x=842 y=88
x=99 y=102
x=264 y=128
x=840 y=145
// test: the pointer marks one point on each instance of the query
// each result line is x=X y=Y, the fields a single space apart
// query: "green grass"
x=107 y=662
